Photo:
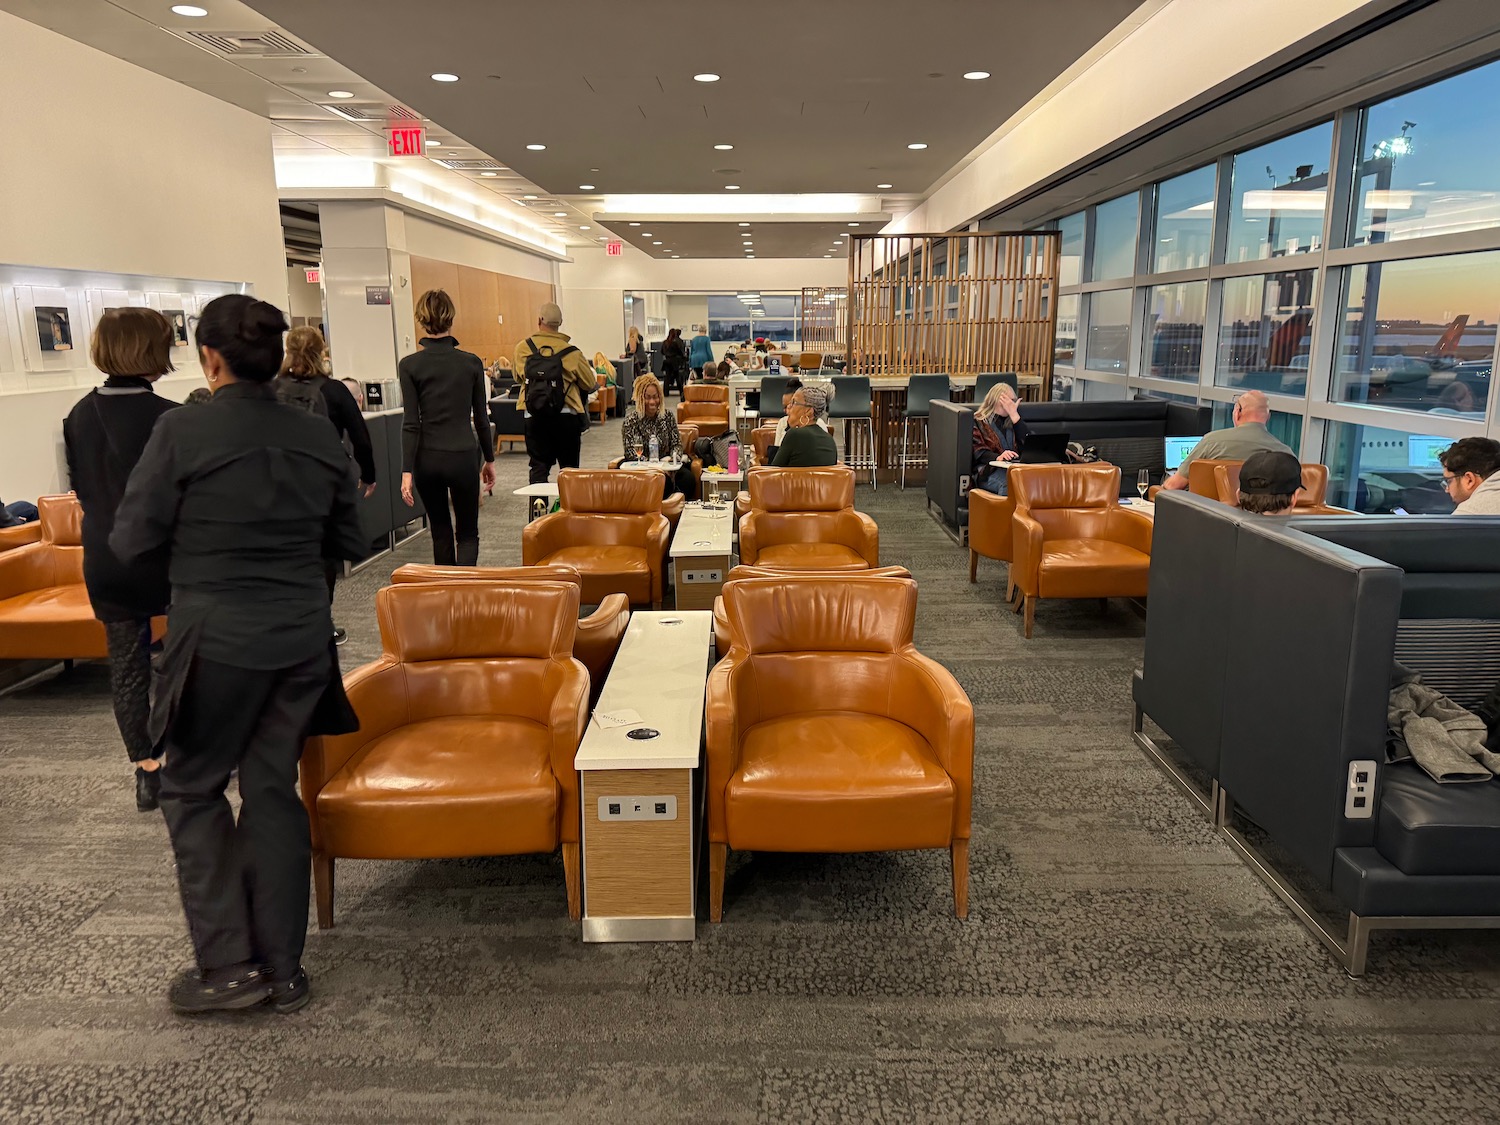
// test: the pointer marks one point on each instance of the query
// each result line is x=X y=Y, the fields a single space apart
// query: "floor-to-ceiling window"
x=1350 y=269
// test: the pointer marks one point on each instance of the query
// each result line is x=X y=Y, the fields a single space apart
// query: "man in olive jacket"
x=555 y=437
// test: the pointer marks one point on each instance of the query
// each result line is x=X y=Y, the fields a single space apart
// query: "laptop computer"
x=1175 y=449
x=1044 y=449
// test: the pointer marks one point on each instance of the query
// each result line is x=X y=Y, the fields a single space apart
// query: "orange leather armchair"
x=20 y=535
x=604 y=398
x=44 y=607
x=1312 y=501
x=599 y=634
x=991 y=523
x=724 y=631
x=1071 y=537
x=468 y=727
x=804 y=519
x=710 y=417
x=706 y=392
x=610 y=529
x=828 y=732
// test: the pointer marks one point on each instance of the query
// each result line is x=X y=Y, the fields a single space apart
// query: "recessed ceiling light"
x=749 y=256
x=559 y=214
x=916 y=146
x=337 y=93
x=604 y=238
x=488 y=174
x=705 y=78
x=676 y=255
x=724 y=148
x=189 y=10
x=635 y=224
x=645 y=234
x=852 y=225
x=882 y=186
x=537 y=148
x=731 y=187
x=656 y=243
x=445 y=78
x=585 y=187
x=744 y=224
x=528 y=197
x=976 y=75
x=583 y=228
x=827 y=255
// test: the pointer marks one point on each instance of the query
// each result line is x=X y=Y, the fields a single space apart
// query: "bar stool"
x=984 y=383
x=852 y=404
x=920 y=391
x=772 y=388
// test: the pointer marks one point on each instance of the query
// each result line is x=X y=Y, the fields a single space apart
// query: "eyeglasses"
x=1448 y=480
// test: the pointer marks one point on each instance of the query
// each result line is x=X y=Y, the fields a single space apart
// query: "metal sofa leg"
x=958 y=857
x=1357 y=945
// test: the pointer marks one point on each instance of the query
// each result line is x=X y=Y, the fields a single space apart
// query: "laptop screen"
x=1422 y=452
x=1176 y=449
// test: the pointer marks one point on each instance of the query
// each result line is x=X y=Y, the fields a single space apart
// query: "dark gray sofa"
x=1128 y=434
x=1311 y=612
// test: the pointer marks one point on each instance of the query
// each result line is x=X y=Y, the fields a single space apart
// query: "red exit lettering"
x=408 y=142
x=614 y=249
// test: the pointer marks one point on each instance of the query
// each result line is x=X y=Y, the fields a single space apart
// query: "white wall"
x=303 y=299
x=1130 y=87
x=119 y=171
x=595 y=319
x=428 y=239
x=685 y=310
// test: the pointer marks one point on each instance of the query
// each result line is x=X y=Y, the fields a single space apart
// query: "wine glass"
x=640 y=448
x=1143 y=482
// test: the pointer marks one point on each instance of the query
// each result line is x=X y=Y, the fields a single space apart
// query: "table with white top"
x=718 y=484
x=701 y=553
x=641 y=809
x=539 y=498
x=662 y=465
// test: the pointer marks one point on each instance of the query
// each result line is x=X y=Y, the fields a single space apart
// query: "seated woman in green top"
x=806 y=444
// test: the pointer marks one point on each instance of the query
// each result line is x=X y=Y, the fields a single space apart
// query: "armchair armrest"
x=658 y=539
x=859 y=532
x=1026 y=546
x=27 y=568
x=727 y=710
x=927 y=698
x=1132 y=528
x=567 y=685
x=377 y=692
x=20 y=535
x=990 y=519
x=671 y=507
x=609 y=619
x=749 y=545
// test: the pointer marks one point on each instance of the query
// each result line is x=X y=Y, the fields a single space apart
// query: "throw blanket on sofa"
x=1446 y=740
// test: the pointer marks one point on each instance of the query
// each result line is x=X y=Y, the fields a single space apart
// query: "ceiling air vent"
x=268 y=44
x=472 y=165
x=354 y=113
x=401 y=113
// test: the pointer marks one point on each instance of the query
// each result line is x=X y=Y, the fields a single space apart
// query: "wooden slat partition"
x=963 y=303
x=824 y=320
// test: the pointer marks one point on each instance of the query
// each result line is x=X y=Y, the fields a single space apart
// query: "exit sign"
x=614 y=249
x=408 y=140
x=314 y=276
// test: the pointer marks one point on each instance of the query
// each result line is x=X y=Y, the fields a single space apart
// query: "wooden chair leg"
x=1010 y=586
x=973 y=564
x=570 y=877
x=958 y=857
x=323 y=888
x=718 y=859
x=1030 y=614
x=1020 y=602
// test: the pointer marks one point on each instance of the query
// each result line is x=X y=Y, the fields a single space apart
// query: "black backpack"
x=546 y=379
x=302 y=393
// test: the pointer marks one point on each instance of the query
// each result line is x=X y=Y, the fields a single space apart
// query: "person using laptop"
x=999 y=434
x=1252 y=410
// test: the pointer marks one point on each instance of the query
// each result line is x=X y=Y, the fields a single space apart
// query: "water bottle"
x=655 y=448
x=733 y=456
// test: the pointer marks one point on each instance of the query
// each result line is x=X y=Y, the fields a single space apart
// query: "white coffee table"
x=701 y=553
x=539 y=498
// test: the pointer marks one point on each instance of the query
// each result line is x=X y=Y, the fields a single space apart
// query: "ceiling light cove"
x=583 y=228
x=705 y=78
x=977 y=75
x=744 y=224
x=883 y=187
x=489 y=175
x=635 y=224
x=189 y=10
x=731 y=187
x=444 y=77
x=916 y=147
x=559 y=214
x=585 y=187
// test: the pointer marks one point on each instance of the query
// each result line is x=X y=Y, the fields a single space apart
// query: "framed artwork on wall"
x=54 y=328
x=178 y=319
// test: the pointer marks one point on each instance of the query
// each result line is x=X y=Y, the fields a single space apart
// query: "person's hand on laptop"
x=1009 y=455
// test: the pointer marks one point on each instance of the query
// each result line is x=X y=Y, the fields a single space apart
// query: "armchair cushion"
x=1431 y=829
x=811 y=556
x=837 y=782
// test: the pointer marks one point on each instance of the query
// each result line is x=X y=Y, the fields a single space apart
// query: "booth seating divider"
x=1126 y=434
x=468 y=727
x=1320 y=609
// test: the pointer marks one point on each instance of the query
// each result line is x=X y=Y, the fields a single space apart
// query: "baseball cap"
x=550 y=315
x=1270 y=473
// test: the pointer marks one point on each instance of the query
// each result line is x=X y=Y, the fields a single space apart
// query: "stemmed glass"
x=1143 y=482
x=640 y=448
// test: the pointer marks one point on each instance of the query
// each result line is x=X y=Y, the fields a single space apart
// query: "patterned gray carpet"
x=1119 y=963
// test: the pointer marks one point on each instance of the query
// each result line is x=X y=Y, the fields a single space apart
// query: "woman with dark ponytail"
x=247 y=495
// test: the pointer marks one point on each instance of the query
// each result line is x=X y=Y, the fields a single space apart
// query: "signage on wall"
x=377 y=294
x=408 y=140
x=614 y=249
x=314 y=276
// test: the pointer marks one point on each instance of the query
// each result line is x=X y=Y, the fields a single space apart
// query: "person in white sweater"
x=1471 y=476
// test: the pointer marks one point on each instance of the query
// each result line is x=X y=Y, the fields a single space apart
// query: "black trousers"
x=130 y=683
x=553 y=438
x=244 y=883
x=441 y=476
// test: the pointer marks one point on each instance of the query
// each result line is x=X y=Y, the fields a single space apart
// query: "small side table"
x=539 y=498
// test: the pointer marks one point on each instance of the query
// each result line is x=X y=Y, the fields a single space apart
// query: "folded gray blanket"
x=1444 y=739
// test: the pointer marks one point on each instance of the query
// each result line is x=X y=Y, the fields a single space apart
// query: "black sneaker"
x=147 y=789
x=339 y=636
x=220 y=991
x=291 y=994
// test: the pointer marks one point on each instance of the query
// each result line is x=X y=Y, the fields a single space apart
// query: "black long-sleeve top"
x=105 y=433
x=249 y=496
x=443 y=395
x=345 y=415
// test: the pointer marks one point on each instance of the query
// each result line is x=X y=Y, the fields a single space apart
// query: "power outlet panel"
x=662 y=807
x=963 y=486
x=693 y=577
x=1359 y=797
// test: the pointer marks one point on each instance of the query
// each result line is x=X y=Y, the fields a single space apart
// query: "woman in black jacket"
x=104 y=435
x=247 y=495
x=443 y=395
x=674 y=356
x=637 y=352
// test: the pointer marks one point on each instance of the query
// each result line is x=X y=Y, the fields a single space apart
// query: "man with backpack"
x=556 y=382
